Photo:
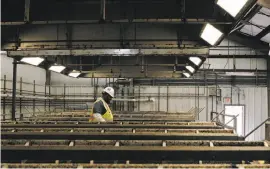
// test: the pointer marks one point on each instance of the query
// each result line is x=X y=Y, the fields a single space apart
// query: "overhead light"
x=190 y=68
x=32 y=60
x=240 y=73
x=196 y=60
x=74 y=74
x=187 y=75
x=211 y=34
x=233 y=7
x=57 y=68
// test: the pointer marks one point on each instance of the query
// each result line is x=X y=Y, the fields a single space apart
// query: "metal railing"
x=222 y=121
x=256 y=128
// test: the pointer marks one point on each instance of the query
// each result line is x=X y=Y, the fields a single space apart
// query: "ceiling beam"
x=263 y=32
x=250 y=42
x=110 y=52
x=153 y=20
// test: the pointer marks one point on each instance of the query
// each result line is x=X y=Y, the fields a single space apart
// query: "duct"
x=109 y=52
x=172 y=21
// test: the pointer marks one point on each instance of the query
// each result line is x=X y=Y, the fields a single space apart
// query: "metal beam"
x=110 y=52
x=133 y=153
x=14 y=82
x=115 y=136
x=263 y=33
x=250 y=42
x=154 y=20
x=87 y=125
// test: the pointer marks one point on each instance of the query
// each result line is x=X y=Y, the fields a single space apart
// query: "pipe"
x=13 y=111
x=172 y=21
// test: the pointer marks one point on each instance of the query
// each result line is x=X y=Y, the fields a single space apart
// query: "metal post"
x=64 y=97
x=34 y=93
x=4 y=99
x=158 y=98
x=21 y=116
x=13 y=111
x=102 y=9
x=45 y=94
x=27 y=10
x=167 y=98
x=216 y=93
x=139 y=97
x=268 y=84
x=49 y=99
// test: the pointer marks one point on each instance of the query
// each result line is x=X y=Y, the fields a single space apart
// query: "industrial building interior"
x=191 y=81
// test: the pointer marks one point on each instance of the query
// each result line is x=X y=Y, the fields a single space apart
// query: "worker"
x=101 y=111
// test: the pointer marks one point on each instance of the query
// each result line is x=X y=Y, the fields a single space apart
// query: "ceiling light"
x=187 y=75
x=74 y=74
x=190 y=68
x=195 y=60
x=233 y=7
x=32 y=60
x=211 y=34
x=240 y=73
x=57 y=68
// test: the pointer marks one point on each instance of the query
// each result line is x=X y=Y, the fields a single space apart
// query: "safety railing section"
x=219 y=118
x=256 y=128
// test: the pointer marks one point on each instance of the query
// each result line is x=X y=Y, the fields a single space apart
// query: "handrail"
x=257 y=127
x=217 y=115
x=232 y=119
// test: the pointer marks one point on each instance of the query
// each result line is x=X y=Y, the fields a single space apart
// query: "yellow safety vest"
x=108 y=116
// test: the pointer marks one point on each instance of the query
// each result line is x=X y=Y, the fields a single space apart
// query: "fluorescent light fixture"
x=240 y=73
x=57 y=68
x=187 y=75
x=211 y=34
x=74 y=74
x=32 y=60
x=190 y=68
x=233 y=7
x=195 y=60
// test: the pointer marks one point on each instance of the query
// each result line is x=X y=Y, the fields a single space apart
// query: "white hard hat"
x=109 y=90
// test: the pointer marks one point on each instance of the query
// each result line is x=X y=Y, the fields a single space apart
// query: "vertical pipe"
x=49 y=96
x=139 y=98
x=216 y=93
x=34 y=93
x=4 y=99
x=102 y=9
x=21 y=116
x=13 y=111
x=64 y=97
x=207 y=98
x=167 y=98
x=158 y=97
x=45 y=94
x=268 y=84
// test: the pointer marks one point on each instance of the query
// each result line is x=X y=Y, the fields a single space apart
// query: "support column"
x=268 y=83
x=27 y=11
x=102 y=9
x=13 y=110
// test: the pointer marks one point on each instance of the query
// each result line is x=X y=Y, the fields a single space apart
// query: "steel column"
x=27 y=11
x=21 y=115
x=4 y=99
x=34 y=93
x=268 y=84
x=13 y=111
